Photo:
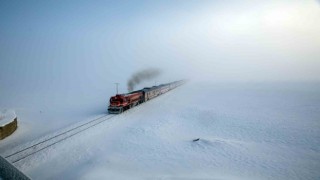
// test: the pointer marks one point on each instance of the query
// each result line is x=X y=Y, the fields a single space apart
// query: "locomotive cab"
x=115 y=106
x=117 y=100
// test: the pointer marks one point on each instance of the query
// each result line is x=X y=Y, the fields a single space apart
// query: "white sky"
x=69 y=45
x=243 y=41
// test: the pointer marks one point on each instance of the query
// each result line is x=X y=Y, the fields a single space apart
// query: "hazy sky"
x=85 y=43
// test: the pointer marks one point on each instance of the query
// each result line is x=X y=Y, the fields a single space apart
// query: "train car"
x=150 y=93
x=164 y=88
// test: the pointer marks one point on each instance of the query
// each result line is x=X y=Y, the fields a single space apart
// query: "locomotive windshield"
x=115 y=99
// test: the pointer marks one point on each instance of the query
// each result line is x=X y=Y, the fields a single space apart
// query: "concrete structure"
x=8 y=123
x=8 y=129
x=8 y=171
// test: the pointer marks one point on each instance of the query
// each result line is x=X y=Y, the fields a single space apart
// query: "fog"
x=60 y=60
x=75 y=47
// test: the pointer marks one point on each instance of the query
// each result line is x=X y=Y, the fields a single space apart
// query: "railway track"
x=49 y=141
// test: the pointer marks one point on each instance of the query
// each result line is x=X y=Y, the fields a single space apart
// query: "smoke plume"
x=141 y=76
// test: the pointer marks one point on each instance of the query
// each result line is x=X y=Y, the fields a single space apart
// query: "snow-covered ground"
x=42 y=112
x=246 y=131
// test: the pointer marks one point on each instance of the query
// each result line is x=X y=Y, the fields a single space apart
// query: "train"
x=122 y=102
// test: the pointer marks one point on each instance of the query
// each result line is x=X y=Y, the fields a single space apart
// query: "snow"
x=6 y=117
x=43 y=113
x=246 y=131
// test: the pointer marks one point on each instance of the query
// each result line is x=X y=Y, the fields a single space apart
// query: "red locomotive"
x=122 y=102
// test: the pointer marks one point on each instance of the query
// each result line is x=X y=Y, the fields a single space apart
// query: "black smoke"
x=141 y=76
